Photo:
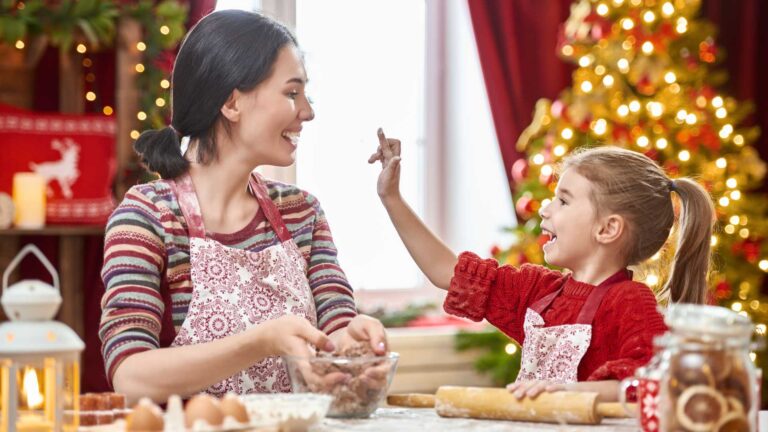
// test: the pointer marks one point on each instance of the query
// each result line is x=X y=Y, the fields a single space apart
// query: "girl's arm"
x=186 y=370
x=432 y=256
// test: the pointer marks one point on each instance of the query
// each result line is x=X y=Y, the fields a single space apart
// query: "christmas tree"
x=646 y=81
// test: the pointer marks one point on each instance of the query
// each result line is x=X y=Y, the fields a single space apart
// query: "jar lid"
x=663 y=340
x=701 y=320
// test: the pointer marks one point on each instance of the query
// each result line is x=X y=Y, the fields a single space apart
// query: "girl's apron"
x=554 y=353
x=235 y=289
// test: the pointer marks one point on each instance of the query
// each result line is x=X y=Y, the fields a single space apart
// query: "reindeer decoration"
x=63 y=170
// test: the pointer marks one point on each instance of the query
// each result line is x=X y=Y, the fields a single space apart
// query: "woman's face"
x=272 y=114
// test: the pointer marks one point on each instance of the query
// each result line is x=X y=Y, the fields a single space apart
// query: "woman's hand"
x=533 y=388
x=388 y=153
x=363 y=328
x=367 y=329
x=290 y=335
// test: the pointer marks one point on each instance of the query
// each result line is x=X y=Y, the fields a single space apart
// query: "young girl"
x=589 y=328
x=213 y=272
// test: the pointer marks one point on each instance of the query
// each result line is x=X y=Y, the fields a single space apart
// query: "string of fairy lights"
x=90 y=77
x=163 y=27
x=164 y=84
x=642 y=82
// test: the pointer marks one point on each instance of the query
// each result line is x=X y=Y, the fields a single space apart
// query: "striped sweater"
x=147 y=273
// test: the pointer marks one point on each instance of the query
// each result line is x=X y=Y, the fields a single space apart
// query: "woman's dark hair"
x=226 y=50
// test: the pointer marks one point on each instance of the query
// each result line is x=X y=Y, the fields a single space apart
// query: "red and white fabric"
x=554 y=353
x=235 y=289
x=74 y=153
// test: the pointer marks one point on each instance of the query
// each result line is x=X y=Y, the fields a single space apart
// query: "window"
x=365 y=62
x=410 y=67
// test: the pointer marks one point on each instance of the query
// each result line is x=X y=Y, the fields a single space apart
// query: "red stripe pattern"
x=147 y=275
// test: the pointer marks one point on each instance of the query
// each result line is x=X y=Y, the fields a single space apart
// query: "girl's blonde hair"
x=632 y=185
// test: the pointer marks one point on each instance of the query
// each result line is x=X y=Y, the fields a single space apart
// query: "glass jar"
x=709 y=384
x=646 y=382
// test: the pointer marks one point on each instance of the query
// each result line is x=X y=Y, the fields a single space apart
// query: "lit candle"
x=29 y=200
x=32 y=420
x=33 y=423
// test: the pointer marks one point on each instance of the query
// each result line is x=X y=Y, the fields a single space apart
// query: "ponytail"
x=160 y=151
x=224 y=51
x=633 y=185
x=687 y=282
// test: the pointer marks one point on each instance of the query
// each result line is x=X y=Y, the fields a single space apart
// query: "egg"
x=146 y=416
x=203 y=407
x=232 y=407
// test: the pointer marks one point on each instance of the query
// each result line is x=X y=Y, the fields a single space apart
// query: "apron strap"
x=259 y=190
x=588 y=311
x=184 y=190
x=543 y=303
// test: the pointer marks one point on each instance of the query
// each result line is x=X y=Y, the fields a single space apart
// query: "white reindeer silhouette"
x=63 y=170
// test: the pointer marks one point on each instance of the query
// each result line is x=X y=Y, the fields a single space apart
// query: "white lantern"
x=39 y=357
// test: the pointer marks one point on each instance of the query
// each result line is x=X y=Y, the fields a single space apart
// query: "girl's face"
x=272 y=114
x=570 y=220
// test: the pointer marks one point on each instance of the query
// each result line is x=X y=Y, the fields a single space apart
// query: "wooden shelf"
x=56 y=230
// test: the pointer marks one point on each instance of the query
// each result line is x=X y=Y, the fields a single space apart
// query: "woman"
x=213 y=272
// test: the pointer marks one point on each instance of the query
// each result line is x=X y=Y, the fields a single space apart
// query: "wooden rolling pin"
x=500 y=404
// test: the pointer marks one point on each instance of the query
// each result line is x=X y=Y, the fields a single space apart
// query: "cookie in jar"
x=710 y=382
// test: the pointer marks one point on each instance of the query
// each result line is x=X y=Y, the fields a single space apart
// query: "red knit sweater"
x=622 y=330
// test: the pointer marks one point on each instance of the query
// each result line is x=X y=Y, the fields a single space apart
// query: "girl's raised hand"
x=388 y=154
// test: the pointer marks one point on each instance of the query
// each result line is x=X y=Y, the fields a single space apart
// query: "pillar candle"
x=29 y=191
x=33 y=423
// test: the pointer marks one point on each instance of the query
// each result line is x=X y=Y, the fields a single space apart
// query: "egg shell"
x=203 y=407
x=232 y=407
x=146 y=416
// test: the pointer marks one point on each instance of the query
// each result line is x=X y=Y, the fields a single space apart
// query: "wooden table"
x=70 y=264
x=426 y=419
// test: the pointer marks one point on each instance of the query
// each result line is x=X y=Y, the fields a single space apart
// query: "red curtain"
x=199 y=9
x=743 y=42
x=47 y=99
x=516 y=41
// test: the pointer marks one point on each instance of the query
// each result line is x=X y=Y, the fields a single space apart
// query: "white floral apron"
x=235 y=289
x=554 y=353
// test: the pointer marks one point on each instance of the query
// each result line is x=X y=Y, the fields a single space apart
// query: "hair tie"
x=184 y=144
x=672 y=186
